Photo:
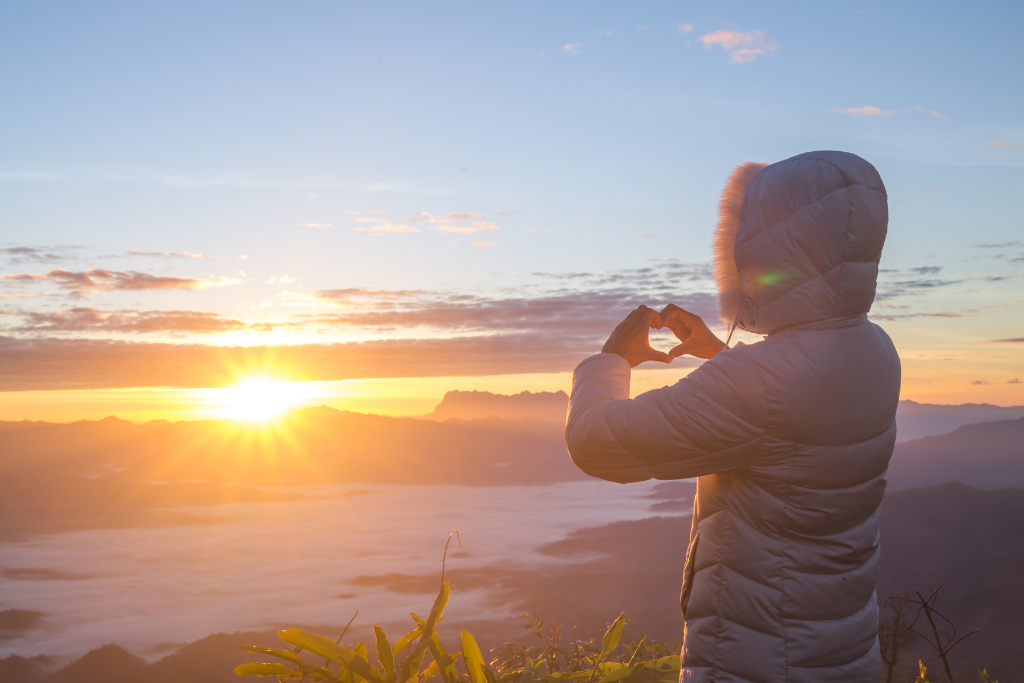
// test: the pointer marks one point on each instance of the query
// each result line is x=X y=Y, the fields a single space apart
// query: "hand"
x=697 y=340
x=630 y=338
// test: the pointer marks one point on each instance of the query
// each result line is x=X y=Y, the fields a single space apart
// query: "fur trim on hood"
x=727 y=276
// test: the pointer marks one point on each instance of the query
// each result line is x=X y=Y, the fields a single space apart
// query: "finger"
x=660 y=356
x=679 y=350
x=652 y=318
x=669 y=310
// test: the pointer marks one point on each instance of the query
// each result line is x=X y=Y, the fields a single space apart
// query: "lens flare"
x=259 y=399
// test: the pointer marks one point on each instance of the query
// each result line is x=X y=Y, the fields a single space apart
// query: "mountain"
x=988 y=455
x=473 y=405
x=917 y=420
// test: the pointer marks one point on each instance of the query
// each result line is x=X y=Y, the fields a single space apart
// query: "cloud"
x=593 y=313
x=607 y=34
x=18 y=255
x=85 y=319
x=891 y=290
x=41 y=364
x=876 y=111
x=1000 y=245
x=448 y=222
x=1013 y=381
x=280 y=280
x=316 y=225
x=573 y=48
x=1010 y=340
x=931 y=112
x=743 y=46
x=174 y=254
x=475 y=227
x=685 y=28
x=481 y=245
x=926 y=270
x=863 y=111
x=386 y=227
x=426 y=217
x=102 y=280
x=1007 y=145
x=978 y=381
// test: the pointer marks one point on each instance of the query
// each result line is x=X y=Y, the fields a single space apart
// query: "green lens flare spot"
x=772 y=278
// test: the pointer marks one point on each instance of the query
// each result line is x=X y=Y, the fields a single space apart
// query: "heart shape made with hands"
x=631 y=339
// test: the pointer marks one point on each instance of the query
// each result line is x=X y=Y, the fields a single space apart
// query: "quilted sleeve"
x=711 y=421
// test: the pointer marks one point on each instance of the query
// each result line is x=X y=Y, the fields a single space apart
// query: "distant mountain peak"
x=547 y=406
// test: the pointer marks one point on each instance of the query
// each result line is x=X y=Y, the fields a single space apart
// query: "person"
x=789 y=438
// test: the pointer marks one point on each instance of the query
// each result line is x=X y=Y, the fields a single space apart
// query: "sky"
x=378 y=202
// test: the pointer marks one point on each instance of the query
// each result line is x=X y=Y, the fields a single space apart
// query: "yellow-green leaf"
x=474 y=658
x=613 y=635
x=325 y=647
x=270 y=669
x=280 y=654
x=404 y=641
x=385 y=654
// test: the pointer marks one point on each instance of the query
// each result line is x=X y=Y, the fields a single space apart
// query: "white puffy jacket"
x=790 y=437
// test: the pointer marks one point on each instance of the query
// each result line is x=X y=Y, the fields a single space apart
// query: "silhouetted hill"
x=987 y=455
x=107 y=664
x=917 y=420
x=473 y=405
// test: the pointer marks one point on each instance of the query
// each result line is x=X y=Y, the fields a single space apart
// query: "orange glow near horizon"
x=260 y=397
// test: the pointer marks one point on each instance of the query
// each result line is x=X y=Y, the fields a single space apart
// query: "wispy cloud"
x=573 y=48
x=1009 y=340
x=386 y=228
x=280 y=280
x=426 y=217
x=174 y=254
x=86 y=319
x=459 y=222
x=1000 y=245
x=978 y=381
x=871 y=110
x=864 y=111
x=481 y=245
x=743 y=46
x=96 y=280
x=684 y=28
x=22 y=254
x=1006 y=145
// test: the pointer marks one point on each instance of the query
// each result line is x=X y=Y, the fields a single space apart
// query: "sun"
x=259 y=399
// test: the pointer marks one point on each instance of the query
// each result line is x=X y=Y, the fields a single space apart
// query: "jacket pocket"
x=689 y=569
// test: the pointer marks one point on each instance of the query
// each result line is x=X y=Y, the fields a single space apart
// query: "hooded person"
x=790 y=438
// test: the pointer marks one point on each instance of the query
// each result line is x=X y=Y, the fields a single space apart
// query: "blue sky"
x=571 y=137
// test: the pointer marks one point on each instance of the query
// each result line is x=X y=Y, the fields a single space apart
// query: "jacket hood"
x=799 y=241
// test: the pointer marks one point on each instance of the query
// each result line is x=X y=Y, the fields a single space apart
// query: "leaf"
x=445 y=661
x=404 y=641
x=280 y=654
x=411 y=665
x=270 y=669
x=385 y=654
x=474 y=658
x=325 y=647
x=613 y=635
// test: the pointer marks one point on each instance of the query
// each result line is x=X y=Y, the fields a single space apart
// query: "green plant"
x=548 y=663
